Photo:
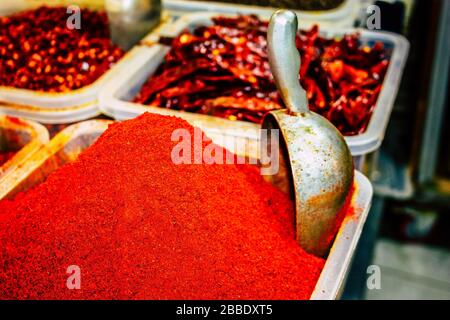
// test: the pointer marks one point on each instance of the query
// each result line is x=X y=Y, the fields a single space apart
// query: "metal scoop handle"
x=285 y=60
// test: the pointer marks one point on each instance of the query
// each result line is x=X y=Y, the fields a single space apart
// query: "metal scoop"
x=314 y=161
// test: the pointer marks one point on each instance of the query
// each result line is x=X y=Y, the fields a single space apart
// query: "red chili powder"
x=141 y=227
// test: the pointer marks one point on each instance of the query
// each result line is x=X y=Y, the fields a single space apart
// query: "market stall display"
x=175 y=201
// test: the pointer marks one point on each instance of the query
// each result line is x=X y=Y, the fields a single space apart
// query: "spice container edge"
x=31 y=135
x=42 y=162
x=331 y=281
x=344 y=15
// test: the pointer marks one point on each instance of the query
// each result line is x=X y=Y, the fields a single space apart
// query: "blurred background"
x=407 y=233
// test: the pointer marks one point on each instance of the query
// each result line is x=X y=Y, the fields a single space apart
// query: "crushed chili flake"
x=223 y=70
x=39 y=52
x=141 y=227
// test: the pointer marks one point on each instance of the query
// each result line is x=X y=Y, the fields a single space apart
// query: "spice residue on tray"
x=38 y=50
x=141 y=227
x=5 y=156
x=223 y=70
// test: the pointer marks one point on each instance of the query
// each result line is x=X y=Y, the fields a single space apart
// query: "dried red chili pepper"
x=379 y=70
x=357 y=75
x=141 y=227
x=39 y=52
x=334 y=72
x=334 y=69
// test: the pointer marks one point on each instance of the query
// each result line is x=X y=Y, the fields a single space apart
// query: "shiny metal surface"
x=315 y=161
x=131 y=20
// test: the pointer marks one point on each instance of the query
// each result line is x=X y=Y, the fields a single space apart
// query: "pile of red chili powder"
x=141 y=227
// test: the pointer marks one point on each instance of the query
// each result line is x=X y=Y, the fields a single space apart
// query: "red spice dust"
x=141 y=227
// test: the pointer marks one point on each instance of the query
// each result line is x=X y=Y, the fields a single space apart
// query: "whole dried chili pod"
x=379 y=70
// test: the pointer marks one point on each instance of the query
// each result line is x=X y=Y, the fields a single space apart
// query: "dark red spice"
x=5 y=156
x=141 y=227
x=223 y=70
x=39 y=52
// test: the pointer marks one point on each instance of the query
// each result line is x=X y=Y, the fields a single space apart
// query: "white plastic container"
x=52 y=116
x=115 y=97
x=51 y=107
x=64 y=147
x=344 y=15
x=70 y=142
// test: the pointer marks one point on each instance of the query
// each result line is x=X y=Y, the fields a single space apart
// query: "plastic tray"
x=64 y=147
x=343 y=16
x=70 y=142
x=115 y=97
x=21 y=136
x=53 y=116
x=53 y=107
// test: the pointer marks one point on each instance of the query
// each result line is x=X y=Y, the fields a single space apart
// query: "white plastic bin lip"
x=52 y=100
x=112 y=104
x=344 y=15
x=373 y=137
x=38 y=136
x=55 y=116
x=334 y=274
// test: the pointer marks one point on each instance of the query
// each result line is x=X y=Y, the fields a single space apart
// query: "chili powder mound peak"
x=140 y=227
